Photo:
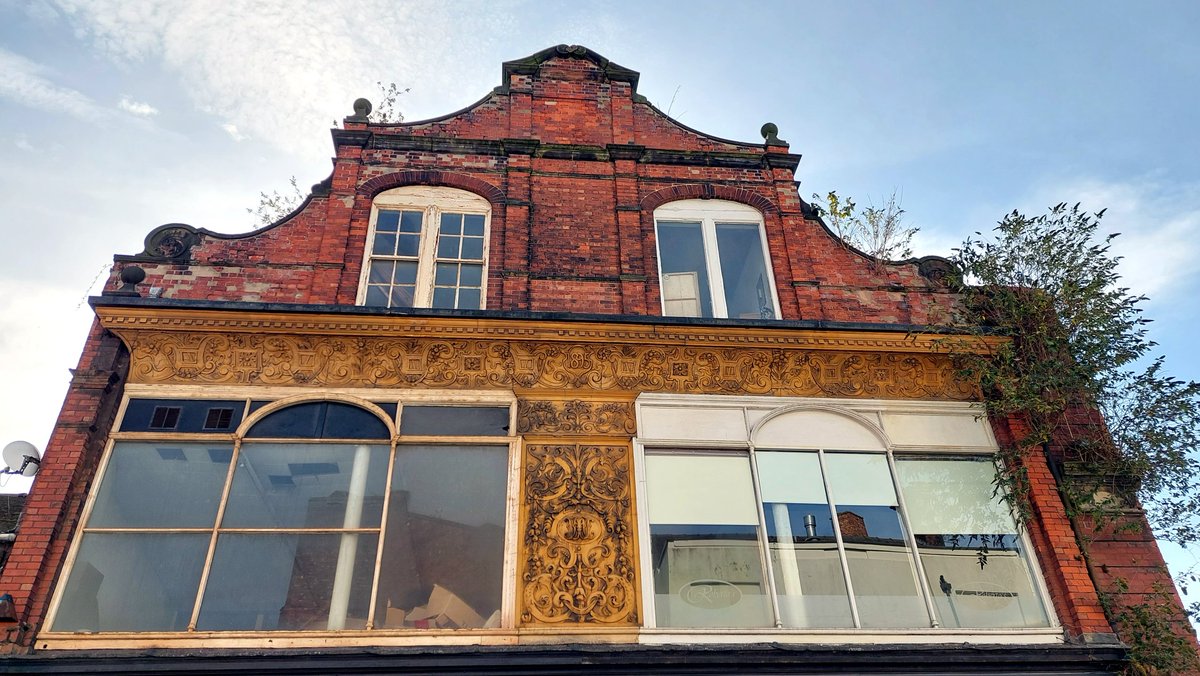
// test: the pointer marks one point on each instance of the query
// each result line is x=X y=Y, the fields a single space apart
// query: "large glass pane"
x=881 y=566
x=747 y=289
x=133 y=582
x=974 y=558
x=809 y=581
x=195 y=415
x=443 y=553
x=307 y=486
x=704 y=551
x=142 y=477
x=685 y=287
x=289 y=581
x=455 y=420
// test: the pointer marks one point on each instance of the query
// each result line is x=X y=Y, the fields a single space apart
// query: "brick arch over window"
x=486 y=190
x=706 y=191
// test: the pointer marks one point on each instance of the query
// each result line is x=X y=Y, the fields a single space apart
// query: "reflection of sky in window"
x=820 y=513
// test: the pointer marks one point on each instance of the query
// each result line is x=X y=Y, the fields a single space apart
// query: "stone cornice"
x=121 y=320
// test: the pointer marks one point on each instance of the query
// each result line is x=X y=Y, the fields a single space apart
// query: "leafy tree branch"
x=1078 y=344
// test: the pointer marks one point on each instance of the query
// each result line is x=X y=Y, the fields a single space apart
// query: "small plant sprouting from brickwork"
x=1079 y=344
x=275 y=205
x=878 y=231
x=387 y=111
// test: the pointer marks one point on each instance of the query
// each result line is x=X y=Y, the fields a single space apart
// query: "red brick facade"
x=573 y=163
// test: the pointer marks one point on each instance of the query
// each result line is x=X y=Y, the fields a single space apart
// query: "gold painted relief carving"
x=578 y=546
x=364 y=361
x=575 y=417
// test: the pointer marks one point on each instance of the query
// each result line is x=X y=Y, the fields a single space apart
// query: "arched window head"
x=427 y=247
x=713 y=261
x=320 y=420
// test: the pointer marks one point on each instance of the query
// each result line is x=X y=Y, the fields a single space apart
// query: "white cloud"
x=280 y=70
x=24 y=82
x=1158 y=222
x=233 y=132
x=137 y=107
x=39 y=10
x=22 y=143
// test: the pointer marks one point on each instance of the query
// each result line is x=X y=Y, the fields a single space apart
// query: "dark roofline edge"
x=954 y=658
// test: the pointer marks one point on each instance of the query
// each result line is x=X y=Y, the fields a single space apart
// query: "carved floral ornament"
x=184 y=346
x=576 y=416
x=336 y=361
x=578 y=554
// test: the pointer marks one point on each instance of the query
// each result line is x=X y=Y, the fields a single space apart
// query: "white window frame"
x=279 y=398
x=706 y=424
x=708 y=213
x=432 y=201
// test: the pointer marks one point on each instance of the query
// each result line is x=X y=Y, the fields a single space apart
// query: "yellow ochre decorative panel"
x=576 y=417
x=188 y=357
x=578 y=553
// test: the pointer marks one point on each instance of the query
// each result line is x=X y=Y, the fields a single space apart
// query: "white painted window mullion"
x=712 y=259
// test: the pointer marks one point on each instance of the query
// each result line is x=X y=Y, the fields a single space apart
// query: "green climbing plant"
x=1078 y=342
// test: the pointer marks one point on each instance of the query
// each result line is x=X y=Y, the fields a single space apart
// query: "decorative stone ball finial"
x=770 y=132
x=131 y=276
x=362 y=108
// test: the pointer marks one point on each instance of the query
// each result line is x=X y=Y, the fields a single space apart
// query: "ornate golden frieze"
x=334 y=361
x=578 y=551
x=575 y=416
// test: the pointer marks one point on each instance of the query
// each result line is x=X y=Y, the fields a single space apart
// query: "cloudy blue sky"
x=118 y=116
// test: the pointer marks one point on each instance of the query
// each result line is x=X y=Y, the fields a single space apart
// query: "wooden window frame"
x=432 y=202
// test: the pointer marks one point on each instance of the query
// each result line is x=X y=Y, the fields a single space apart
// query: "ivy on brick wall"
x=1079 y=344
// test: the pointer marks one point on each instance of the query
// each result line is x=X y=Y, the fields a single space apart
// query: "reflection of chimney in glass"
x=810 y=525
x=852 y=525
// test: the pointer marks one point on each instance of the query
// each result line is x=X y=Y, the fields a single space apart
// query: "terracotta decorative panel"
x=575 y=416
x=578 y=552
x=358 y=361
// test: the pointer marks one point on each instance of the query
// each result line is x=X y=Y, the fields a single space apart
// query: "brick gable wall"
x=573 y=163
x=572 y=209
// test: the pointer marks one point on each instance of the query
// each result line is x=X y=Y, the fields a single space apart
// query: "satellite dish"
x=22 y=458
